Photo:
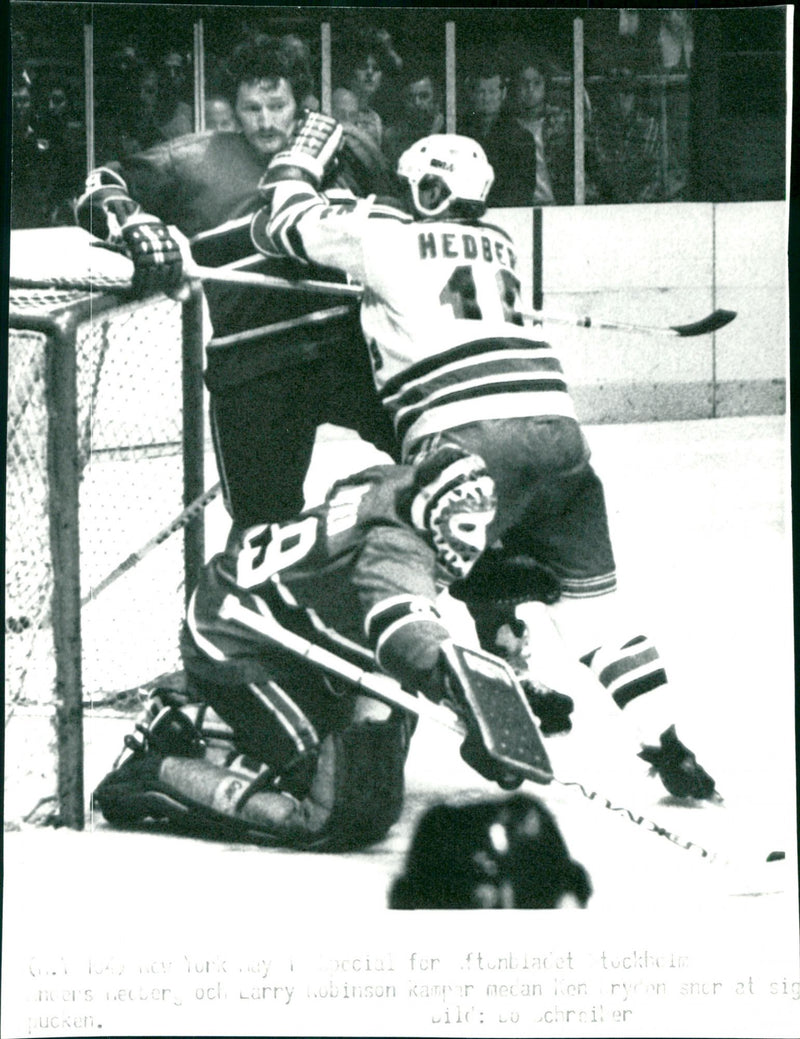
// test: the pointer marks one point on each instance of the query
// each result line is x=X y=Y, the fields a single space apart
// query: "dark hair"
x=533 y=60
x=351 y=52
x=269 y=58
x=418 y=68
x=451 y=855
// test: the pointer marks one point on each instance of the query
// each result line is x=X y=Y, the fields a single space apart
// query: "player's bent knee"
x=369 y=782
x=354 y=795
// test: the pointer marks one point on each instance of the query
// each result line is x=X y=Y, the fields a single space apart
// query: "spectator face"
x=219 y=114
x=625 y=86
x=266 y=112
x=488 y=96
x=676 y=21
x=531 y=89
x=148 y=90
x=57 y=102
x=344 y=105
x=367 y=78
x=420 y=100
x=297 y=46
x=173 y=67
x=628 y=21
x=22 y=104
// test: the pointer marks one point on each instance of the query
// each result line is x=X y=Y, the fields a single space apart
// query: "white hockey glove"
x=156 y=256
x=307 y=158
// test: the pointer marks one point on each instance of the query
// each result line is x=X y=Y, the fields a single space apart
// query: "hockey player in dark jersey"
x=455 y=363
x=273 y=747
x=270 y=390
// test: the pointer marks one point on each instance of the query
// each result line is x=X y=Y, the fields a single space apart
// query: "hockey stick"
x=711 y=323
x=18 y=624
x=714 y=321
x=388 y=691
x=317 y=317
x=180 y=521
x=379 y=686
x=230 y=275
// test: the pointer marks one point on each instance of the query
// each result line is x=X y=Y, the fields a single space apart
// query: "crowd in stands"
x=48 y=152
x=518 y=106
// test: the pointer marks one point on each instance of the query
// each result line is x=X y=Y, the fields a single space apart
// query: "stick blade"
x=718 y=319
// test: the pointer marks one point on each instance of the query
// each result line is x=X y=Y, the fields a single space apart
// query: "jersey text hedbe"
x=433 y=245
x=442 y=311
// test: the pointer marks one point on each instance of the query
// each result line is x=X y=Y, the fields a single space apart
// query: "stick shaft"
x=379 y=686
x=711 y=323
x=178 y=523
x=717 y=319
x=385 y=689
x=267 y=281
x=232 y=276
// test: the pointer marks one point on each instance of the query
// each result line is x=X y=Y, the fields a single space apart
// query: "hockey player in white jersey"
x=455 y=363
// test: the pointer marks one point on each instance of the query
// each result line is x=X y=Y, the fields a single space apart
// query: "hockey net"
x=131 y=457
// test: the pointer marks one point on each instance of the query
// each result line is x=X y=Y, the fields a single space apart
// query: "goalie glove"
x=156 y=256
x=502 y=740
x=314 y=146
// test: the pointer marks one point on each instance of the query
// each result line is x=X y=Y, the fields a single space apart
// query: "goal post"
x=105 y=442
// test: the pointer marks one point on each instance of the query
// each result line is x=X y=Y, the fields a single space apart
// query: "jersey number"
x=268 y=549
x=461 y=294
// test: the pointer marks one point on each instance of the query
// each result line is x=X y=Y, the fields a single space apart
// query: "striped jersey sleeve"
x=307 y=226
x=441 y=311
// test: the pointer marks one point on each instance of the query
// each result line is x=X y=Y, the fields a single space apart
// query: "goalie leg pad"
x=355 y=795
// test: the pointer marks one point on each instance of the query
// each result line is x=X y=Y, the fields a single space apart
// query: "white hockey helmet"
x=458 y=162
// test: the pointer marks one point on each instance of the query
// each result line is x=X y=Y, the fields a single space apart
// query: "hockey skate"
x=677 y=768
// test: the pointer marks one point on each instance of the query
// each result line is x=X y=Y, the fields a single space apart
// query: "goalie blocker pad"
x=499 y=709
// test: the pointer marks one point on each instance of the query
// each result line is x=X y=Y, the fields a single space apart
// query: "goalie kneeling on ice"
x=492 y=854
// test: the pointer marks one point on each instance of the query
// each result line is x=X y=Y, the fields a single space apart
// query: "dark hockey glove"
x=551 y=708
x=105 y=206
x=314 y=146
x=156 y=256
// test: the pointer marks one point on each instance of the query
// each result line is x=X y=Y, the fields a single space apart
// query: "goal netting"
x=129 y=459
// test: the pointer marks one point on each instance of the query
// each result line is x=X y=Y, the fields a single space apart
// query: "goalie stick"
x=511 y=738
x=388 y=691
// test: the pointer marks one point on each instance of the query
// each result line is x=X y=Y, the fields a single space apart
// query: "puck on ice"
x=775 y=856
